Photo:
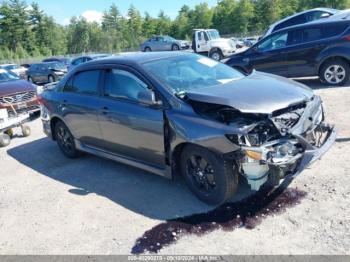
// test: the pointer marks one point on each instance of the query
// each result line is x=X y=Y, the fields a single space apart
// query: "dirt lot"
x=52 y=205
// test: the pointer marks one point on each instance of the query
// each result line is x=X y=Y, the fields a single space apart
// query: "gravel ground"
x=52 y=205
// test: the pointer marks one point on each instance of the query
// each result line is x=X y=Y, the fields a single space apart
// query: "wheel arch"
x=331 y=58
x=53 y=121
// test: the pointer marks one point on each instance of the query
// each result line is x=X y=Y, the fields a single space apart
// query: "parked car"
x=83 y=59
x=250 y=41
x=314 y=49
x=14 y=68
x=238 y=42
x=164 y=43
x=208 y=42
x=17 y=94
x=301 y=18
x=178 y=112
x=46 y=72
x=66 y=61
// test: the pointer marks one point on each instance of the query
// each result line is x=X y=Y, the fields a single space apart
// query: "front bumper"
x=313 y=153
x=275 y=166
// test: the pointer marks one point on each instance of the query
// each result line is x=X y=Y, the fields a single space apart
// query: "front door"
x=270 y=55
x=201 y=42
x=130 y=128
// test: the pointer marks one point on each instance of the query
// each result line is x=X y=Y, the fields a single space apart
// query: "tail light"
x=40 y=99
x=347 y=38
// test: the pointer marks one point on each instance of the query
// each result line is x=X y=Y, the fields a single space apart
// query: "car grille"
x=29 y=109
x=18 y=97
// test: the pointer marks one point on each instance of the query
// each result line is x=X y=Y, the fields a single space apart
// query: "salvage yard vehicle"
x=301 y=18
x=84 y=59
x=179 y=112
x=164 y=43
x=209 y=42
x=46 y=72
x=14 y=68
x=319 y=48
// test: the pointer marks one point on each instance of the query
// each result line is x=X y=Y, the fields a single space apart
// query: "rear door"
x=80 y=104
x=270 y=55
x=130 y=128
x=305 y=44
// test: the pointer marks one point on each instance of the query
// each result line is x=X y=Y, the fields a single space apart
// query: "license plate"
x=21 y=105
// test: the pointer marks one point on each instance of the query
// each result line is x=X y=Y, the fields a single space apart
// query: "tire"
x=175 y=48
x=9 y=132
x=148 y=49
x=51 y=79
x=212 y=179
x=216 y=55
x=335 y=72
x=65 y=140
x=30 y=80
x=5 y=140
x=25 y=131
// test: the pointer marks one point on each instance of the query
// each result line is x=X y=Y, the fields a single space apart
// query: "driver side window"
x=274 y=42
x=123 y=84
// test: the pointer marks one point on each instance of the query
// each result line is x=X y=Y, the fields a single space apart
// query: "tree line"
x=26 y=31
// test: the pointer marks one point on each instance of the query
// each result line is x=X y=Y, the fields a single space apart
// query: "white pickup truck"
x=210 y=43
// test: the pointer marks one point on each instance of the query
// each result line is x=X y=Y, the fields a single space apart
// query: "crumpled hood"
x=259 y=93
x=15 y=86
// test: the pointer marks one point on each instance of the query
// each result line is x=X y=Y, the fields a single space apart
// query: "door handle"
x=104 y=110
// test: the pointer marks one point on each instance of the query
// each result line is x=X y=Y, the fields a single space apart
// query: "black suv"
x=315 y=49
x=46 y=72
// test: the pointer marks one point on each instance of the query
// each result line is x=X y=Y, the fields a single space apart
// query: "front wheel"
x=51 y=79
x=212 y=179
x=5 y=140
x=175 y=48
x=216 y=55
x=148 y=49
x=335 y=72
x=65 y=140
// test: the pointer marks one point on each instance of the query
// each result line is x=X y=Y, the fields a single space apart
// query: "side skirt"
x=128 y=161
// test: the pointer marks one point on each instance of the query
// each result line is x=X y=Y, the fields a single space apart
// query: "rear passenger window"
x=333 y=30
x=84 y=82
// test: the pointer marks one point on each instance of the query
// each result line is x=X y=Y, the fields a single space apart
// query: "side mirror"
x=147 y=97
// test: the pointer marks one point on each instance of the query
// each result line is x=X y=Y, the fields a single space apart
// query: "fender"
x=337 y=51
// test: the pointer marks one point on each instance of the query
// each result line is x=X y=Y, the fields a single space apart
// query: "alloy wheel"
x=334 y=74
x=65 y=139
x=201 y=173
x=215 y=56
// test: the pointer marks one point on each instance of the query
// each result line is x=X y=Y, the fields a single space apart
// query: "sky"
x=63 y=10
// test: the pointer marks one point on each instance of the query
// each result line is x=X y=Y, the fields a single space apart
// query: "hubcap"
x=334 y=74
x=201 y=173
x=65 y=139
x=215 y=56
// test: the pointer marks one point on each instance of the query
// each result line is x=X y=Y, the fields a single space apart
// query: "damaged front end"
x=280 y=144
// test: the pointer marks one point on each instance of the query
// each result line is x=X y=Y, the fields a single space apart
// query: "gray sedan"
x=164 y=43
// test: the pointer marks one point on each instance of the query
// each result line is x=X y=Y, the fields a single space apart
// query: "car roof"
x=135 y=58
x=317 y=22
x=323 y=9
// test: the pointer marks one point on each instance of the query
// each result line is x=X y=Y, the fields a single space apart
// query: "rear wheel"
x=335 y=72
x=148 y=49
x=65 y=140
x=30 y=79
x=212 y=179
x=5 y=140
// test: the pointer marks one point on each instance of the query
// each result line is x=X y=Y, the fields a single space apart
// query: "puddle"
x=247 y=213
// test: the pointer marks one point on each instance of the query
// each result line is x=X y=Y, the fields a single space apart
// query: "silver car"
x=164 y=43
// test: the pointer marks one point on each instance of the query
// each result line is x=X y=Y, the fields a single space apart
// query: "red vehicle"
x=17 y=94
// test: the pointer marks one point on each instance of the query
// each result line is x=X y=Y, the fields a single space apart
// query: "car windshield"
x=188 y=72
x=57 y=66
x=214 y=34
x=7 y=76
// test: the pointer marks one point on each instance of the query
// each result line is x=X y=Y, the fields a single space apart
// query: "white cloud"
x=92 y=16
x=65 y=21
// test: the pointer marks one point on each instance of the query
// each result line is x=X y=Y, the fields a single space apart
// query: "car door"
x=201 y=42
x=269 y=55
x=305 y=45
x=80 y=105
x=130 y=128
